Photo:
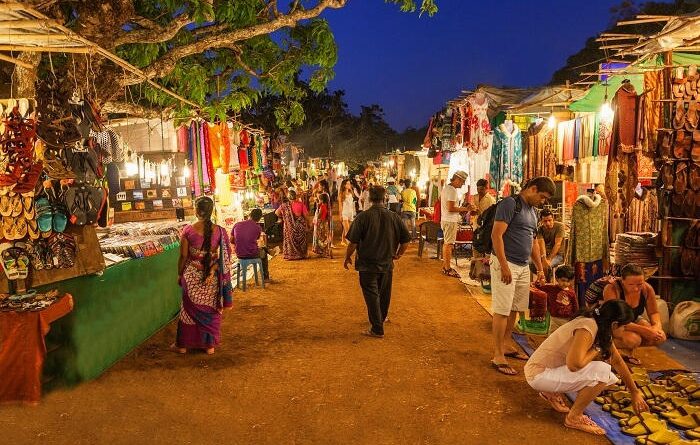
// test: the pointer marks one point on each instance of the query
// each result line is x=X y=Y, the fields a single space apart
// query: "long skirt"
x=294 y=244
x=199 y=326
x=322 y=239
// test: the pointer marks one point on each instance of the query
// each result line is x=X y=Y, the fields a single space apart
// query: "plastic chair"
x=242 y=268
x=430 y=232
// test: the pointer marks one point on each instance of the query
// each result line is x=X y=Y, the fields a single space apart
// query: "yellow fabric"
x=409 y=200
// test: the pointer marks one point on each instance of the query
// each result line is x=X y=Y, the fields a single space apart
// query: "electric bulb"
x=131 y=168
x=551 y=122
x=606 y=112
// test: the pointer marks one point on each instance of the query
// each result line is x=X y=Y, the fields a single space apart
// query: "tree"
x=221 y=54
x=588 y=58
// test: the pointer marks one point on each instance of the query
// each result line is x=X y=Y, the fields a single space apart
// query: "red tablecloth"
x=22 y=350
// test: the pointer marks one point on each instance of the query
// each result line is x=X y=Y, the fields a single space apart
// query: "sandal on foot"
x=585 y=424
x=517 y=355
x=632 y=360
x=451 y=273
x=504 y=368
x=556 y=401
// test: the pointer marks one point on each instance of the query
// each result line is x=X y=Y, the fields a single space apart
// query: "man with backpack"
x=513 y=241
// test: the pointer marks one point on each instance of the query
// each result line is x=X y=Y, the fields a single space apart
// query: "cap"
x=461 y=174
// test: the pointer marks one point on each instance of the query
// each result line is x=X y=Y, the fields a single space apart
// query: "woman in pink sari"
x=205 y=277
x=294 y=215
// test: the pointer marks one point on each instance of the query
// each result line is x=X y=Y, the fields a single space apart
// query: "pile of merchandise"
x=690 y=251
x=635 y=248
x=673 y=401
x=139 y=240
x=29 y=301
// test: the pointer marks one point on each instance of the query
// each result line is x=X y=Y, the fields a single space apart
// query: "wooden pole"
x=16 y=62
x=47 y=49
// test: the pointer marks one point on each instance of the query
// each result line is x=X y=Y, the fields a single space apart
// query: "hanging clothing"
x=604 y=138
x=506 y=156
x=653 y=113
x=479 y=125
x=183 y=139
x=588 y=239
x=643 y=213
x=568 y=131
x=541 y=157
x=588 y=131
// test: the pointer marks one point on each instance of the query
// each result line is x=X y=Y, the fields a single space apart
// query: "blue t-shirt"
x=521 y=230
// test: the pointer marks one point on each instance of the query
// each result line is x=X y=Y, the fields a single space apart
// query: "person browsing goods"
x=451 y=217
x=513 y=238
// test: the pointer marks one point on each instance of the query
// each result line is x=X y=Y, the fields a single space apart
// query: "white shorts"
x=562 y=380
x=506 y=298
x=449 y=231
x=348 y=216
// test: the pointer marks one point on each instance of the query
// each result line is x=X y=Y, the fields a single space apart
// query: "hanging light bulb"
x=131 y=168
x=606 y=112
x=551 y=122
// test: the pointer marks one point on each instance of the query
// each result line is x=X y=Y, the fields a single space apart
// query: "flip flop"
x=632 y=360
x=451 y=273
x=504 y=368
x=517 y=355
x=585 y=424
x=645 y=427
x=681 y=411
x=556 y=402
x=17 y=206
x=633 y=420
x=687 y=422
x=660 y=437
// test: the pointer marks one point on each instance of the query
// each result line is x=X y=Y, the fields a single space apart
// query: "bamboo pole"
x=607 y=39
x=47 y=49
x=37 y=39
x=27 y=24
x=16 y=62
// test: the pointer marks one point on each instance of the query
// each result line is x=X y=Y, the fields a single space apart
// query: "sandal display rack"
x=678 y=162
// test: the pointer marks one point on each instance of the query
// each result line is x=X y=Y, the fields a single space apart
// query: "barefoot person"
x=205 y=279
x=574 y=359
x=645 y=330
x=379 y=237
x=513 y=238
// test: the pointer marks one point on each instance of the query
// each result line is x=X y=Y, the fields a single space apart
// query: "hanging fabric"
x=479 y=125
x=506 y=155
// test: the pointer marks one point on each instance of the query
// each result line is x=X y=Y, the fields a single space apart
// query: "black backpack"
x=482 y=235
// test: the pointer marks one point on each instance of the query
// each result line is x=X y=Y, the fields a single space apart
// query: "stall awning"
x=682 y=32
x=545 y=99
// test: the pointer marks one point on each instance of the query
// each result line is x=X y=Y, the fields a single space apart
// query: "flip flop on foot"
x=174 y=348
x=556 y=401
x=585 y=424
x=451 y=273
x=517 y=355
x=631 y=360
x=503 y=368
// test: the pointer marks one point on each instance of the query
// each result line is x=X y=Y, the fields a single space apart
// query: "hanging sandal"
x=679 y=116
x=665 y=142
x=680 y=182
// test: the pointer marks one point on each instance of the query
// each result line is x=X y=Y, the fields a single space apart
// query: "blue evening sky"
x=411 y=66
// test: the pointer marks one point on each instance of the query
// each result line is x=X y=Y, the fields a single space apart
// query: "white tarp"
x=679 y=32
x=146 y=135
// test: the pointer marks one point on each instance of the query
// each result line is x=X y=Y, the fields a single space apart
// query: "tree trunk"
x=24 y=79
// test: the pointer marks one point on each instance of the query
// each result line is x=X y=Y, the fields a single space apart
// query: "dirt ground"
x=294 y=369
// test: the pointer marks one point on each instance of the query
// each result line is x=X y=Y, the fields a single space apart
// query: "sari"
x=294 y=244
x=322 y=232
x=199 y=324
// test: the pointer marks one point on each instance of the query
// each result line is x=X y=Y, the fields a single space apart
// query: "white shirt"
x=449 y=193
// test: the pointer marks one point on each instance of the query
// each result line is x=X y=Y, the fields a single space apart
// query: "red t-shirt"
x=561 y=303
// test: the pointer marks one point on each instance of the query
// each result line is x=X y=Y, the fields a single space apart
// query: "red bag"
x=465 y=234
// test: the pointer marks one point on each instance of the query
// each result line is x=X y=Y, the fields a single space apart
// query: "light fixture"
x=551 y=122
x=606 y=112
x=131 y=168
x=186 y=172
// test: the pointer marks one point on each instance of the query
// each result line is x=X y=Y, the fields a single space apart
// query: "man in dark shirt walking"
x=379 y=237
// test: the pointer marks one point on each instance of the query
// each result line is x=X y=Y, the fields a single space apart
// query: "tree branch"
x=132 y=109
x=153 y=33
x=166 y=63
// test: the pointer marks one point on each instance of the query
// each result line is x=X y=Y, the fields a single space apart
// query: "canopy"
x=596 y=94
x=545 y=99
x=680 y=32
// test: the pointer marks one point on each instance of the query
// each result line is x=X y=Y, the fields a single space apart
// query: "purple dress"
x=199 y=326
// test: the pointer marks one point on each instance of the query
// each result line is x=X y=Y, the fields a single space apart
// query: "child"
x=561 y=299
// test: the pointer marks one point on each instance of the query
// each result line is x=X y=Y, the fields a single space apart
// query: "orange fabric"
x=225 y=147
x=215 y=145
x=22 y=350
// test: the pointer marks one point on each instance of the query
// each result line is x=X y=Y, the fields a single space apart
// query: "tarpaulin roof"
x=499 y=98
x=595 y=97
x=547 y=98
x=679 y=32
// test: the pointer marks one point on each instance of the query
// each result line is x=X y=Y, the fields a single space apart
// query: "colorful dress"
x=199 y=326
x=477 y=135
x=506 y=156
x=322 y=231
x=294 y=244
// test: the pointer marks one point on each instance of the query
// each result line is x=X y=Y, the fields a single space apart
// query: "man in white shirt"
x=450 y=218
